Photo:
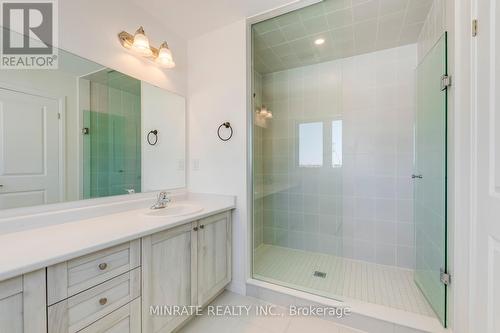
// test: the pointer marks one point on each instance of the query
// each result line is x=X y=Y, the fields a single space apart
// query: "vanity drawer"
x=79 y=311
x=126 y=319
x=71 y=277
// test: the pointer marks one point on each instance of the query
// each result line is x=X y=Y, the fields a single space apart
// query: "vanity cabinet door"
x=169 y=277
x=214 y=256
x=23 y=306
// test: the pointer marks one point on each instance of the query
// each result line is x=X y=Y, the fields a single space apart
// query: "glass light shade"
x=319 y=41
x=141 y=43
x=165 y=57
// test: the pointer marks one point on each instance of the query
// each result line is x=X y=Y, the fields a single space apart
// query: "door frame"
x=462 y=176
x=473 y=46
x=79 y=139
x=61 y=102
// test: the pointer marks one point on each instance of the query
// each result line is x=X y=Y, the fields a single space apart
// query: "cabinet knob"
x=202 y=226
x=103 y=301
x=103 y=266
x=195 y=228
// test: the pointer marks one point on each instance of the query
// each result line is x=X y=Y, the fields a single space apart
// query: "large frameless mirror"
x=86 y=131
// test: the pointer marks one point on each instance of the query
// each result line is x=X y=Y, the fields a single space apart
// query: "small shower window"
x=311 y=145
x=337 y=143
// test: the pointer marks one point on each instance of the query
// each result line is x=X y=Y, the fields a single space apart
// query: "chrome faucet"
x=162 y=201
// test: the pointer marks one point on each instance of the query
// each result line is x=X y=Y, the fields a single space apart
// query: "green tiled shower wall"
x=112 y=149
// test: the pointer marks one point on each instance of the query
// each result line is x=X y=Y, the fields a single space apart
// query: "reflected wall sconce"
x=139 y=43
x=264 y=113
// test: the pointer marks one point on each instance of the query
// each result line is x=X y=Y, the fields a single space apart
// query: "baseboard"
x=237 y=288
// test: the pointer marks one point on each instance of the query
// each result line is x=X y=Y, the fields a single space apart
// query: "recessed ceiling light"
x=319 y=41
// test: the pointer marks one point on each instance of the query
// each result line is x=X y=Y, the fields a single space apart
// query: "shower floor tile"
x=345 y=278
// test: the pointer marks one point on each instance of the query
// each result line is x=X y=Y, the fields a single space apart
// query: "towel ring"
x=226 y=125
x=153 y=141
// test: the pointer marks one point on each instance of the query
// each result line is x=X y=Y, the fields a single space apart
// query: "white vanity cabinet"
x=23 y=304
x=214 y=256
x=85 y=293
x=74 y=276
x=143 y=285
x=169 y=276
x=185 y=266
x=126 y=319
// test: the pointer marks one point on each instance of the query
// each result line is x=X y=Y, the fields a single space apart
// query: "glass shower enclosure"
x=348 y=165
x=430 y=178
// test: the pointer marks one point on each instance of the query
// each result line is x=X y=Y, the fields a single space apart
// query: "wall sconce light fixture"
x=139 y=43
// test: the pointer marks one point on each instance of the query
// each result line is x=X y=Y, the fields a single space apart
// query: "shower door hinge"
x=474 y=28
x=445 y=82
x=445 y=277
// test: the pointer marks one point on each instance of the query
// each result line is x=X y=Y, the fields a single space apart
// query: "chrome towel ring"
x=154 y=139
x=226 y=125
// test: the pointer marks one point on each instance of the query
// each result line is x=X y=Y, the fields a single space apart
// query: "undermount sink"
x=173 y=210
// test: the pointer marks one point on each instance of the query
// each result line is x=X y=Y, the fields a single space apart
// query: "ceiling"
x=192 y=18
x=349 y=27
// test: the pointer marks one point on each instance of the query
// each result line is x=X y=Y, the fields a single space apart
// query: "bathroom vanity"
x=104 y=273
x=82 y=249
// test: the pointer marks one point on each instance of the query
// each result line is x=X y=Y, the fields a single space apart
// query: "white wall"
x=89 y=28
x=216 y=94
x=163 y=164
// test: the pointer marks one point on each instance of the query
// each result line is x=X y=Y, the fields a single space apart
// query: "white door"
x=485 y=264
x=29 y=150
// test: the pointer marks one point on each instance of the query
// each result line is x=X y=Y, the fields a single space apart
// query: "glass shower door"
x=111 y=140
x=430 y=177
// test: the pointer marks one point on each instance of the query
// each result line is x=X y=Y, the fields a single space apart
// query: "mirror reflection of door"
x=30 y=150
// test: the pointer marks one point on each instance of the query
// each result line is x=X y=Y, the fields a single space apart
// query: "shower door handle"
x=417 y=176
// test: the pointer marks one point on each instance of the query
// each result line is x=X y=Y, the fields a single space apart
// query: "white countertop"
x=35 y=248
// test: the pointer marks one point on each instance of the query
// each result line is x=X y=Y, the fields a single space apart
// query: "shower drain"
x=319 y=274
